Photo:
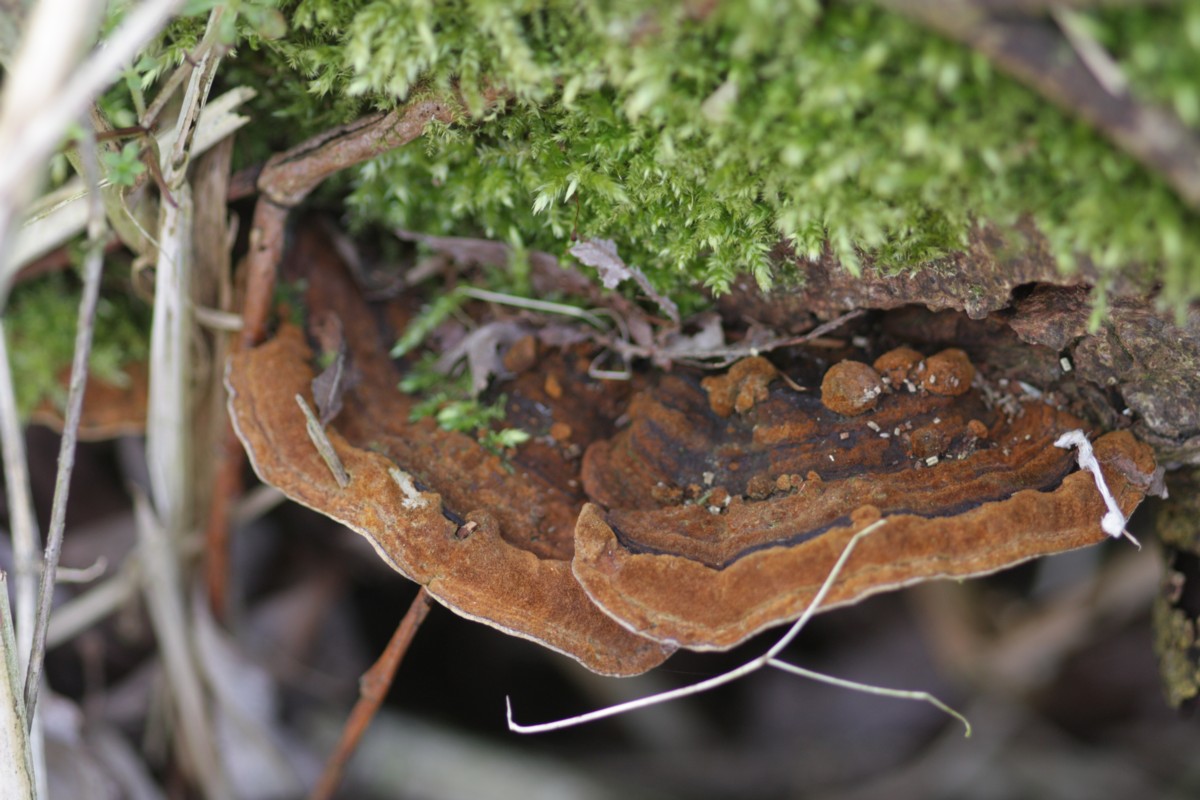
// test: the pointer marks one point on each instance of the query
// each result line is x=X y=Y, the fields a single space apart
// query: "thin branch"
x=85 y=327
x=633 y=705
x=1090 y=51
x=171 y=409
x=22 y=522
x=163 y=585
x=879 y=691
x=373 y=688
x=171 y=442
x=719 y=680
x=729 y=355
x=717 y=357
x=82 y=612
x=823 y=592
x=213 y=301
x=316 y=433
x=531 y=304
x=26 y=542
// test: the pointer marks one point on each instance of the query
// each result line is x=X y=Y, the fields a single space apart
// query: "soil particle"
x=522 y=356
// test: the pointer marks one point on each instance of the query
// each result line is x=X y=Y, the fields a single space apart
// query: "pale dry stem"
x=16 y=763
x=84 y=330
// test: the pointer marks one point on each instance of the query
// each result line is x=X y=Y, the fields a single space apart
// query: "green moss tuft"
x=40 y=320
x=697 y=142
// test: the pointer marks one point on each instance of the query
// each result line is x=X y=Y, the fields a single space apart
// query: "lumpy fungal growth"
x=851 y=388
x=949 y=372
x=739 y=389
x=683 y=512
x=896 y=365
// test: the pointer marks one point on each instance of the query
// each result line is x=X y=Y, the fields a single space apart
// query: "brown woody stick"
x=372 y=689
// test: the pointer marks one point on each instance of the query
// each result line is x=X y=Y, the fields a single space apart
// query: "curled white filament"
x=1113 y=522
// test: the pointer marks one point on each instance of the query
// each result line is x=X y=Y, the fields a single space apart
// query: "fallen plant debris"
x=694 y=511
x=602 y=254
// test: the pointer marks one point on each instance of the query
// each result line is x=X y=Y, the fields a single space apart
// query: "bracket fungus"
x=675 y=509
x=491 y=545
x=966 y=490
x=110 y=410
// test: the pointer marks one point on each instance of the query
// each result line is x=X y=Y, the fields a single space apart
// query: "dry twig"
x=16 y=764
x=373 y=688
x=85 y=327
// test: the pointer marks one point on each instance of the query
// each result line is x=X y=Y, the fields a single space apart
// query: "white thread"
x=1113 y=522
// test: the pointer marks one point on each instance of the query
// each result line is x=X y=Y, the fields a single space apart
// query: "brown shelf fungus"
x=965 y=490
x=491 y=545
x=672 y=509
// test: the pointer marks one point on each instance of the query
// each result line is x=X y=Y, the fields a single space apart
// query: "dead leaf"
x=483 y=349
x=602 y=255
x=339 y=375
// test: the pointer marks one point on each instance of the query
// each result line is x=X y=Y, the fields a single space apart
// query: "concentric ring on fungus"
x=716 y=512
x=797 y=480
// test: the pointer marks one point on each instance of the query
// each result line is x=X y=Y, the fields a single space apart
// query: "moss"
x=1175 y=645
x=1175 y=613
x=1164 y=74
x=697 y=140
x=40 y=320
